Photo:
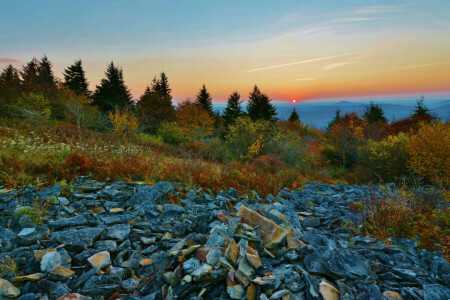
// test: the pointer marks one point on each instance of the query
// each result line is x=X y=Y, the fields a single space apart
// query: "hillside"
x=167 y=241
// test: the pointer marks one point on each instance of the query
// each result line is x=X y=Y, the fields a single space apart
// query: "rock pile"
x=130 y=241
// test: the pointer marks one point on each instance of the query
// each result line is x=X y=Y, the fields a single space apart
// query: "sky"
x=304 y=50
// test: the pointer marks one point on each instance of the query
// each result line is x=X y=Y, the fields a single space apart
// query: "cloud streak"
x=336 y=65
x=305 y=79
x=375 y=10
x=353 y=19
x=9 y=60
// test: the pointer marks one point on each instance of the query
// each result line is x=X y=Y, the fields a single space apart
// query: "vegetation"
x=52 y=130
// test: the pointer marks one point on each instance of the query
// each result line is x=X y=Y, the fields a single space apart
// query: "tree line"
x=35 y=89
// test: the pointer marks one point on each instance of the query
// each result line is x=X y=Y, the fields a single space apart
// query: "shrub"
x=33 y=105
x=385 y=160
x=406 y=125
x=149 y=139
x=124 y=122
x=269 y=163
x=343 y=140
x=194 y=120
x=247 y=139
x=171 y=133
x=429 y=152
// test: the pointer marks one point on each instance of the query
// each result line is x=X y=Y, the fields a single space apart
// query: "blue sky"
x=291 y=49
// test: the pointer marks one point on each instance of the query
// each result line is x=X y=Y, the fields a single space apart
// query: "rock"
x=116 y=210
x=235 y=291
x=348 y=264
x=130 y=285
x=279 y=294
x=118 y=232
x=273 y=234
x=68 y=222
x=74 y=296
x=328 y=291
x=7 y=289
x=435 y=292
x=50 y=261
x=100 y=260
x=60 y=273
x=391 y=295
x=29 y=236
x=31 y=277
x=201 y=271
x=215 y=240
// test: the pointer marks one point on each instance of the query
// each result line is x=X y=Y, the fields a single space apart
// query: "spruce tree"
x=164 y=85
x=374 y=113
x=30 y=78
x=156 y=86
x=46 y=77
x=75 y=79
x=294 y=116
x=420 y=108
x=205 y=100
x=233 y=109
x=10 y=84
x=337 y=117
x=147 y=91
x=259 y=106
x=112 y=91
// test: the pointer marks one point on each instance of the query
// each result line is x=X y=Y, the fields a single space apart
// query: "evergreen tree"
x=30 y=78
x=45 y=74
x=112 y=91
x=259 y=106
x=294 y=116
x=154 y=108
x=156 y=86
x=233 y=109
x=374 y=113
x=205 y=100
x=420 y=108
x=147 y=91
x=164 y=85
x=75 y=79
x=10 y=84
x=337 y=118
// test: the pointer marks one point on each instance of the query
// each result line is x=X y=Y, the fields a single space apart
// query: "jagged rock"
x=50 y=261
x=68 y=222
x=7 y=289
x=100 y=260
x=31 y=277
x=118 y=232
x=391 y=295
x=60 y=273
x=348 y=264
x=273 y=234
x=29 y=236
x=328 y=291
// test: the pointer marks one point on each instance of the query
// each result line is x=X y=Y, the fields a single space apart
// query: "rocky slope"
x=126 y=241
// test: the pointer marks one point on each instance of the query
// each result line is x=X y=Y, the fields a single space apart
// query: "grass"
x=424 y=217
x=8 y=265
x=59 y=151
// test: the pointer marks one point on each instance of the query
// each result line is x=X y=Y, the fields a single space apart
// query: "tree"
x=46 y=78
x=420 y=108
x=259 y=106
x=204 y=99
x=124 y=122
x=75 y=79
x=344 y=138
x=30 y=78
x=164 y=85
x=294 y=116
x=112 y=92
x=374 y=113
x=233 y=109
x=336 y=118
x=194 y=120
x=154 y=108
x=10 y=87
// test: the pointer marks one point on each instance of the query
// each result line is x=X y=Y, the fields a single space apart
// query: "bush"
x=429 y=150
x=269 y=163
x=194 y=120
x=33 y=106
x=124 y=122
x=385 y=160
x=171 y=133
x=149 y=139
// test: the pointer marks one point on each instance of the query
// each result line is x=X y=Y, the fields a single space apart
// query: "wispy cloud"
x=305 y=79
x=300 y=62
x=413 y=67
x=9 y=60
x=367 y=10
x=353 y=19
x=360 y=53
x=336 y=65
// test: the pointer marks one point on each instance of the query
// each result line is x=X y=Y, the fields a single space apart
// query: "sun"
x=294 y=101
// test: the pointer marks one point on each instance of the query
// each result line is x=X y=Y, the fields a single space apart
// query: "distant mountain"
x=318 y=114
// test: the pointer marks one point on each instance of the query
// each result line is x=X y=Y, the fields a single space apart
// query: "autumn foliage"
x=194 y=120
